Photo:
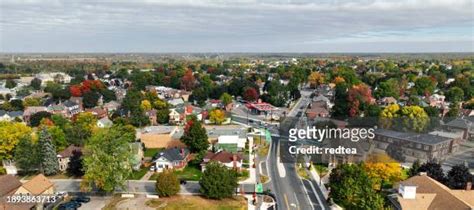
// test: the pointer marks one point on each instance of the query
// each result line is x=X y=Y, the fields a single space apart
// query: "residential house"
x=97 y=112
x=175 y=117
x=31 y=110
x=65 y=155
x=104 y=122
x=111 y=106
x=423 y=192
x=317 y=109
x=10 y=184
x=228 y=159
x=58 y=77
x=327 y=102
x=416 y=145
x=72 y=108
x=39 y=185
x=176 y=102
x=151 y=114
x=385 y=101
x=5 y=91
x=11 y=116
x=58 y=109
x=172 y=158
x=437 y=100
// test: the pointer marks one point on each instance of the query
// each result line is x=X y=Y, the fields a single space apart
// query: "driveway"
x=96 y=203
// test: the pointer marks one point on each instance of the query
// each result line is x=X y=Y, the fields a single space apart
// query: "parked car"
x=152 y=168
x=81 y=199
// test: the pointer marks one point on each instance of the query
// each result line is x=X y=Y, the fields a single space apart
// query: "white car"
x=152 y=168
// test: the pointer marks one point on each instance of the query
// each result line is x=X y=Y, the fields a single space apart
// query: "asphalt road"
x=292 y=192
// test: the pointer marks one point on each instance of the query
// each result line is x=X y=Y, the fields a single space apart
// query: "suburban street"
x=292 y=192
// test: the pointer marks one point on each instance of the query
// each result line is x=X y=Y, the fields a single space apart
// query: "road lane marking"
x=316 y=194
x=286 y=201
x=307 y=196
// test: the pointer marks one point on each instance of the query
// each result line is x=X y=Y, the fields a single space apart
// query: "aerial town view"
x=247 y=104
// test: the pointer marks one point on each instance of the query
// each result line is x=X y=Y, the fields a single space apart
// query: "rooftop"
x=413 y=137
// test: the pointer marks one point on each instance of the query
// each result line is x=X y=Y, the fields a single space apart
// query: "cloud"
x=234 y=25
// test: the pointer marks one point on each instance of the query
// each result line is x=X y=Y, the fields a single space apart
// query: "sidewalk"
x=252 y=171
x=317 y=178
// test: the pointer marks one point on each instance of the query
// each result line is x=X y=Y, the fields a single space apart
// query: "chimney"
x=407 y=191
x=234 y=160
x=468 y=186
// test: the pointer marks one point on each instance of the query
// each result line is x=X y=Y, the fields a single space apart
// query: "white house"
x=173 y=158
x=104 y=122
x=58 y=77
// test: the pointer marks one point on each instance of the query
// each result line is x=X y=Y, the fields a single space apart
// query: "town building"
x=416 y=145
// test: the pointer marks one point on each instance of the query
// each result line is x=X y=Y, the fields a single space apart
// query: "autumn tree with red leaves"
x=75 y=90
x=358 y=97
x=250 y=94
x=188 y=80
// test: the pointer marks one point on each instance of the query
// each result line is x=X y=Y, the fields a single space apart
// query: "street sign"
x=259 y=188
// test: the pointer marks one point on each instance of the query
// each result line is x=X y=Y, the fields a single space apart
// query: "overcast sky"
x=237 y=26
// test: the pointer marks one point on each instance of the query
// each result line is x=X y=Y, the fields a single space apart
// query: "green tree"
x=389 y=88
x=10 y=135
x=352 y=188
x=163 y=116
x=107 y=161
x=36 y=118
x=455 y=94
x=217 y=116
x=458 y=177
x=414 y=168
x=10 y=83
x=75 y=166
x=26 y=157
x=48 y=162
x=433 y=170
x=167 y=184
x=226 y=99
x=58 y=137
x=424 y=86
x=218 y=181
x=36 y=84
x=195 y=136
x=90 y=99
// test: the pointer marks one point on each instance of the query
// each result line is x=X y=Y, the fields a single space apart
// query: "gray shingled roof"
x=172 y=154
x=413 y=137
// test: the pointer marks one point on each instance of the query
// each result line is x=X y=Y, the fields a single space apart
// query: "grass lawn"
x=321 y=169
x=197 y=202
x=302 y=172
x=262 y=149
x=136 y=175
x=190 y=173
x=152 y=151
